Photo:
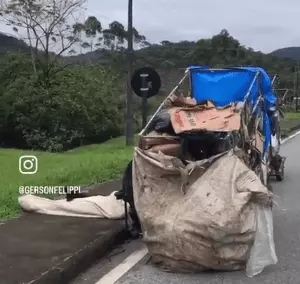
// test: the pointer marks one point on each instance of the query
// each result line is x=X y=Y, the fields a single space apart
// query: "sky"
x=264 y=25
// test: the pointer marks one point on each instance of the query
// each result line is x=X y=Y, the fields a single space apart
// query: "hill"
x=10 y=43
x=287 y=52
x=169 y=57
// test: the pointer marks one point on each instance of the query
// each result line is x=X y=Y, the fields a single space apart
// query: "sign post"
x=129 y=131
x=144 y=90
x=146 y=83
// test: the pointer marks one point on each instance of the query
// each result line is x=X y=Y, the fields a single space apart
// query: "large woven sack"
x=197 y=217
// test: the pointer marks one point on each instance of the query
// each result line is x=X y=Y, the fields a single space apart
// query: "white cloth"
x=90 y=207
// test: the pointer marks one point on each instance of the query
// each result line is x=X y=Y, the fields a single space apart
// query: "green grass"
x=290 y=123
x=84 y=165
x=292 y=115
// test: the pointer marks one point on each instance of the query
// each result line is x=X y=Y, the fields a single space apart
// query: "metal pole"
x=144 y=91
x=273 y=82
x=285 y=95
x=129 y=99
x=251 y=86
x=297 y=85
x=294 y=95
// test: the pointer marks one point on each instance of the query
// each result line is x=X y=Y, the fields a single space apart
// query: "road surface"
x=129 y=264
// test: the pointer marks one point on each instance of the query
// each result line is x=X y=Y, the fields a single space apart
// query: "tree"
x=165 y=42
x=113 y=37
x=91 y=27
x=145 y=44
x=48 y=28
x=72 y=52
x=118 y=34
x=107 y=39
x=82 y=106
x=137 y=37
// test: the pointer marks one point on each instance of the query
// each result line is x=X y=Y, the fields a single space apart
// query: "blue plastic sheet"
x=195 y=67
x=225 y=86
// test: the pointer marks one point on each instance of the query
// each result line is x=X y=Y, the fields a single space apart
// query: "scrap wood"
x=180 y=100
x=154 y=138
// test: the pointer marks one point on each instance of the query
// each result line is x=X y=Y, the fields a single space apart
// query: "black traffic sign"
x=146 y=81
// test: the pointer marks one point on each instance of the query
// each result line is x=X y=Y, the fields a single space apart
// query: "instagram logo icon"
x=28 y=165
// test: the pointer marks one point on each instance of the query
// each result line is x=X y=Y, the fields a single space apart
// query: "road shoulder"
x=54 y=249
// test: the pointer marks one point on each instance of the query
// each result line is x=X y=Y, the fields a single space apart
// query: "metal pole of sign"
x=297 y=86
x=144 y=90
x=129 y=99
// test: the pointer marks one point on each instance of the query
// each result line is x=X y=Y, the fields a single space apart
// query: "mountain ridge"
x=169 y=58
x=9 y=42
x=292 y=52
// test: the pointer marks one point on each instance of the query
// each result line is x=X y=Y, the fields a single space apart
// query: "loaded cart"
x=197 y=184
x=251 y=90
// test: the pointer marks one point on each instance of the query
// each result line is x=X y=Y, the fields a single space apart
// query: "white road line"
x=290 y=137
x=116 y=273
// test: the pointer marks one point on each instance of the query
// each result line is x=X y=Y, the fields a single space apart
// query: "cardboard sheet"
x=200 y=118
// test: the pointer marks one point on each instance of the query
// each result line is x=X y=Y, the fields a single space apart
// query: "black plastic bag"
x=162 y=123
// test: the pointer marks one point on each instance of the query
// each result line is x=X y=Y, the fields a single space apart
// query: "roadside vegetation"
x=291 y=115
x=81 y=166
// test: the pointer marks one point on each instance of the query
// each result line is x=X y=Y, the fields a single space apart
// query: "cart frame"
x=256 y=114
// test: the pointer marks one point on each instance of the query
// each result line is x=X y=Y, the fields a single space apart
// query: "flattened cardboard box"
x=199 y=118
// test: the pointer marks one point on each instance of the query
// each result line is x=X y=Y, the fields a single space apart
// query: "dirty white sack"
x=275 y=144
x=90 y=207
x=204 y=215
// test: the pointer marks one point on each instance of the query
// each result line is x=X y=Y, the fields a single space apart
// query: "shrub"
x=80 y=105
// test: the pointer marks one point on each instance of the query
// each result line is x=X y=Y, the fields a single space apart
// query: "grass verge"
x=84 y=165
x=290 y=123
x=292 y=115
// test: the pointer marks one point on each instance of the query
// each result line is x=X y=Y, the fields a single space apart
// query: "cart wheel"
x=270 y=188
x=136 y=234
x=280 y=177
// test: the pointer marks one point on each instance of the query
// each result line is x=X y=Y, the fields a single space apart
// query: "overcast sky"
x=261 y=24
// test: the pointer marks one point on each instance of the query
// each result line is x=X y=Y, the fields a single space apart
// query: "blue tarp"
x=195 y=67
x=225 y=86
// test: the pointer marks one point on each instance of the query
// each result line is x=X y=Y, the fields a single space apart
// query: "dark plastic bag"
x=162 y=123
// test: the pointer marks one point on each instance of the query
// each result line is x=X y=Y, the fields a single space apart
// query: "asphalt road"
x=287 y=241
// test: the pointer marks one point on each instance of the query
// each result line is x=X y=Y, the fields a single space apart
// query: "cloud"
x=263 y=25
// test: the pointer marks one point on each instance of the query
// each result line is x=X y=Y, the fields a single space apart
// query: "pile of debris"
x=199 y=205
x=192 y=131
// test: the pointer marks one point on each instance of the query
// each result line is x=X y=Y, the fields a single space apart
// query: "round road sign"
x=146 y=80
